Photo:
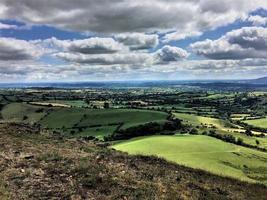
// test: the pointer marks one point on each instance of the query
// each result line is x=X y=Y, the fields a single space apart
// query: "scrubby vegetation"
x=35 y=166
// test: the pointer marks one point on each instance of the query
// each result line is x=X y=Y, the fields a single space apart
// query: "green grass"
x=98 y=132
x=65 y=117
x=129 y=117
x=74 y=103
x=239 y=116
x=68 y=117
x=17 y=111
x=203 y=152
x=218 y=96
x=196 y=120
x=262 y=123
x=251 y=140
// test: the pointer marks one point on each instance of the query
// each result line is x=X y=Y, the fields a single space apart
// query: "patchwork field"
x=196 y=120
x=262 y=123
x=239 y=116
x=74 y=103
x=91 y=117
x=79 y=121
x=202 y=152
x=223 y=127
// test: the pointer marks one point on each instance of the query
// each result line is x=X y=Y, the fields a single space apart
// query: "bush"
x=239 y=141
x=25 y=117
x=248 y=132
x=193 y=131
x=145 y=129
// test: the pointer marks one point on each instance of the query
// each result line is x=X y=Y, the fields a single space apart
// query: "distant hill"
x=262 y=80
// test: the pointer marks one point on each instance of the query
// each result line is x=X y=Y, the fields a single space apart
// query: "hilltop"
x=44 y=166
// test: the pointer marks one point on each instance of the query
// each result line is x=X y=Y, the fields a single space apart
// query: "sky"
x=120 y=40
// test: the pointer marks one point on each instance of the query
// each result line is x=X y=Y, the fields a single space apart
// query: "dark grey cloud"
x=247 y=42
x=93 y=45
x=164 y=55
x=106 y=59
x=138 y=41
x=121 y=16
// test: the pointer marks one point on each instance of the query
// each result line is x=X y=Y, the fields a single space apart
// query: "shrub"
x=239 y=141
x=193 y=131
x=25 y=117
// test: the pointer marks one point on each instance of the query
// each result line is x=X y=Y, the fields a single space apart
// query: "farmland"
x=221 y=133
x=262 y=123
x=79 y=121
x=204 y=153
x=23 y=112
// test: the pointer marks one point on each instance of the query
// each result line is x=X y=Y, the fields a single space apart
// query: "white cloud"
x=7 y=26
x=257 y=20
x=121 y=16
x=170 y=54
x=180 y=35
x=15 y=50
x=166 y=54
x=247 y=42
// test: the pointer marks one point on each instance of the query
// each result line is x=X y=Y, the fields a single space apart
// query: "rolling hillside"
x=35 y=166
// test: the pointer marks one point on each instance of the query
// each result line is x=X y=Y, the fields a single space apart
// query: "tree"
x=248 y=132
x=239 y=141
x=106 y=105
x=25 y=117
x=87 y=101
x=193 y=131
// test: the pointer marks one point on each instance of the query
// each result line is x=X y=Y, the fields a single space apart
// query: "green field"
x=262 y=123
x=218 y=96
x=70 y=119
x=223 y=127
x=17 y=112
x=251 y=140
x=197 y=120
x=203 y=152
x=98 y=132
x=89 y=117
x=239 y=116
x=126 y=116
x=73 y=103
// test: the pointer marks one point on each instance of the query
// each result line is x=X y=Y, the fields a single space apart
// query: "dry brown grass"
x=50 y=167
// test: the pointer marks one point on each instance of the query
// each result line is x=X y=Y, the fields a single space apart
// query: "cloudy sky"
x=89 y=40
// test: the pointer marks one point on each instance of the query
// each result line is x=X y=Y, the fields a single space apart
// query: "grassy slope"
x=16 y=112
x=262 y=123
x=203 y=152
x=64 y=117
x=98 y=132
x=40 y=167
x=198 y=120
x=69 y=117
